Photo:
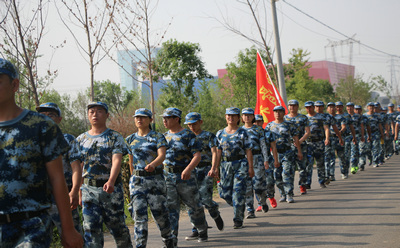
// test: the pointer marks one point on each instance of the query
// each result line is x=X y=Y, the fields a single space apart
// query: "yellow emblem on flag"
x=266 y=93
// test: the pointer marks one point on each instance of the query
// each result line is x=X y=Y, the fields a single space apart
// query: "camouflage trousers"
x=256 y=185
x=397 y=145
x=376 y=148
x=330 y=158
x=389 y=146
x=284 y=174
x=348 y=140
x=301 y=164
x=55 y=218
x=355 y=149
x=205 y=185
x=100 y=206
x=34 y=232
x=364 y=152
x=316 y=151
x=187 y=191
x=232 y=186
x=149 y=192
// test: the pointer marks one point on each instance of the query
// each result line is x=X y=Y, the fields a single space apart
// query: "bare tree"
x=23 y=27
x=94 y=18
x=257 y=9
x=134 y=36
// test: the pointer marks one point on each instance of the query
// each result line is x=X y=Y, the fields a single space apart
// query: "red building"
x=331 y=71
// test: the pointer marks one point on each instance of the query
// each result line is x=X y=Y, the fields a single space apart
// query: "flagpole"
x=281 y=76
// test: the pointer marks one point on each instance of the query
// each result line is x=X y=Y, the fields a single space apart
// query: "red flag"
x=267 y=95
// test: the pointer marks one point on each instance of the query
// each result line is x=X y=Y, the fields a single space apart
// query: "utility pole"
x=281 y=76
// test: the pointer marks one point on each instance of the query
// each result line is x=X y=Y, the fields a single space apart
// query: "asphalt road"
x=361 y=211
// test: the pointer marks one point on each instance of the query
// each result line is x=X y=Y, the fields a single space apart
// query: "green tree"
x=181 y=63
x=354 y=90
x=239 y=87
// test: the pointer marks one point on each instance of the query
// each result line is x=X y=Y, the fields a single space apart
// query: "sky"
x=310 y=27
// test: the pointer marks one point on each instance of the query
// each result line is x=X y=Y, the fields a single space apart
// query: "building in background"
x=331 y=71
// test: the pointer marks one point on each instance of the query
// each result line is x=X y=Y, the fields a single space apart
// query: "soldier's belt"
x=8 y=218
x=143 y=173
x=256 y=152
x=98 y=182
x=203 y=164
x=233 y=158
x=175 y=169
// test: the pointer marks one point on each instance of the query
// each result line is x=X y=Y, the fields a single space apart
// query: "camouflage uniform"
x=98 y=205
x=72 y=155
x=301 y=122
x=269 y=173
x=376 y=137
x=348 y=139
x=316 y=146
x=181 y=148
x=329 y=149
x=284 y=174
x=397 y=142
x=389 y=150
x=234 y=170
x=148 y=189
x=27 y=143
x=382 y=120
x=258 y=183
x=356 y=119
x=364 y=146
x=205 y=183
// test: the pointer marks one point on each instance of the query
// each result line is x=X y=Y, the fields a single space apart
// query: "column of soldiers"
x=171 y=168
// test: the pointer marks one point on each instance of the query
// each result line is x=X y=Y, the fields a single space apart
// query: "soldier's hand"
x=300 y=156
x=71 y=239
x=362 y=139
x=185 y=174
x=108 y=187
x=266 y=165
x=80 y=197
x=277 y=164
x=354 y=141
x=251 y=172
x=327 y=142
x=74 y=199
x=149 y=168
x=213 y=173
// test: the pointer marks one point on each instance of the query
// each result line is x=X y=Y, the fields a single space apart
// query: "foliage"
x=354 y=90
x=299 y=84
x=181 y=63
x=380 y=84
x=240 y=87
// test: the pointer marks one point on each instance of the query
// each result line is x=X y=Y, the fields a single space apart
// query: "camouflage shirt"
x=144 y=148
x=317 y=122
x=347 y=132
x=97 y=152
x=284 y=133
x=373 y=121
x=208 y=140
x=27 y=143
x=233 y=144
x=300 y=121
x=181 y=148
x=72 y=155
x=356 y=119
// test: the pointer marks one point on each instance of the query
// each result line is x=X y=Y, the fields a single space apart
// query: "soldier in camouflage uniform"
x=147 y=184
x=385 y=128
x=396 y=142
x=259 y=120
x=71 y=166
x=303 y=127
x=364 y=146
x=286 y=133
x=31 y=146
x=234 y=149
x=329 y=171
x=336 y=143
x=205 y=183
x=396 y=133
x=183 y=155
x=376 y=133
x=102 y=191
x=348 y=135
x=258 y=183
x=358 y=125
x=319 y=137
x=391 y=117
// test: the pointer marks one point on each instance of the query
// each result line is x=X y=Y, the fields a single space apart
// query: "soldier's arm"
x=298 y=146
x=353 y=132
x=214 y=172
x=396 y=132
x=306 y=135
x=158 y=160
x=362 y=132
x=249 y=156
x=130 y=161
x=115 y=169
x=76 y=183
x=193 y=163
x=327 y=134
x=336 y=130
x=275 y=154
x=70 y=237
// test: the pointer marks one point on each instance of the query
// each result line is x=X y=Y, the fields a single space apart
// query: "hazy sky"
x=373 y=22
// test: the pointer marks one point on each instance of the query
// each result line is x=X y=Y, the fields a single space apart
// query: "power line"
x=331 y=28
